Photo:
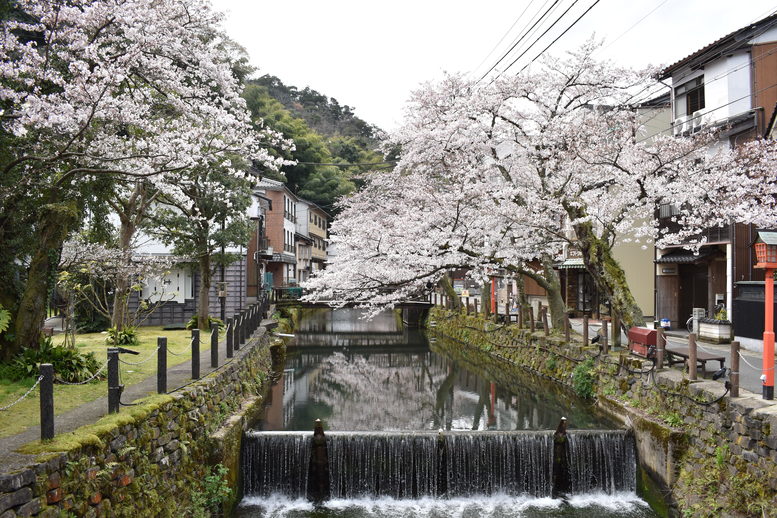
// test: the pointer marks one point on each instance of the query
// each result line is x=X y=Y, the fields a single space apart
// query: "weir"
x=439 y=464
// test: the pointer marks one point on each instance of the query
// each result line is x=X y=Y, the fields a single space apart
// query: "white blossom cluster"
x=136 y=88
x=494 y=175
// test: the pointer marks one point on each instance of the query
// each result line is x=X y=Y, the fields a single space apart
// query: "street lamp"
x=766 y=254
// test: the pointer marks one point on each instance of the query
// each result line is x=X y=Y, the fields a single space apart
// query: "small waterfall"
x=601 y=461
x=381 y=464
x=446 y=464
x=486 y=463
x=276 y=463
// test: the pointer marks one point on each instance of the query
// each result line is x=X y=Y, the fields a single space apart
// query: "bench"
x=680 y=354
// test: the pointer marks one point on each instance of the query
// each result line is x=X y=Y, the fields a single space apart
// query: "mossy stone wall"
x=716 y=459
x=148 y=460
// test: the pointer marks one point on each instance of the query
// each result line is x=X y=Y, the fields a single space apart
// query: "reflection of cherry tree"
x=373 y=396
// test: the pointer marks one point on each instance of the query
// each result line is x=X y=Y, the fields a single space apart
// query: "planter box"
x=718 y=331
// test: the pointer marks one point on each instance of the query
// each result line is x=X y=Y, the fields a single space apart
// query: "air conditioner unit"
x=680 y=125
x=697 y=121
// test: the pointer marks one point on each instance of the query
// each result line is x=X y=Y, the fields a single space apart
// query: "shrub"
x=215 y=491
x=583 y=379
x=126 y=336
x=69 y=364
x=212 y=321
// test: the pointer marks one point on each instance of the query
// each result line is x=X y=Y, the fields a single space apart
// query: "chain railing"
x=84 y=382
x=238 y=331
x=35 y=385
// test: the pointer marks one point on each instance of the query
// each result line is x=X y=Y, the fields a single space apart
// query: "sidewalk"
x=177 y=377
x=749 y=362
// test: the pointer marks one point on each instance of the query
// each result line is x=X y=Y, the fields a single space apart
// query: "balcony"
x=263 y=249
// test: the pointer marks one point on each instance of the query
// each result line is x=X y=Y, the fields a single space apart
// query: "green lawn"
x=27 y=412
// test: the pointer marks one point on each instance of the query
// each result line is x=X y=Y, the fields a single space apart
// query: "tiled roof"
x=732 y=41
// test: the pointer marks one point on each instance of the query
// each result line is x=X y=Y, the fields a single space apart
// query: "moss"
x=650 y=492
x=91 y=435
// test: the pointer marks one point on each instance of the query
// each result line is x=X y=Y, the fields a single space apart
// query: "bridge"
x=414 y=312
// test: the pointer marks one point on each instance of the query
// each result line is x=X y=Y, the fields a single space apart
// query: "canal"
x=417 y=428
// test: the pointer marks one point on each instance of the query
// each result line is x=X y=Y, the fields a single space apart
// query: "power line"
x=558 y=37
x=543 y=34
x=520 y=39
x=505 y=35
x=630 y=28
x=729 y=47
x=715 y=109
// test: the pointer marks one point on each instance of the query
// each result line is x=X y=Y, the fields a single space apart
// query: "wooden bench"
x=680 y=354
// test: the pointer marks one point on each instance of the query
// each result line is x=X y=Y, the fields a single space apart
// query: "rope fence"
x=239 y=330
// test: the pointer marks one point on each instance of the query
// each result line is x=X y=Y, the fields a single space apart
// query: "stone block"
x=118 y=442
x=164 y=439
x=54 y=495
x=91 y=473
x=18 y=497
x=158 y=454
x=750 y=456
x=49 y=512
x=172 y=445
x=8 y=514
x=123 y=481
x=16 y=481
x=55 y=480
x=30 y=508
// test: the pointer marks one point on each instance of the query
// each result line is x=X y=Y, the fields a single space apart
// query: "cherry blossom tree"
x=554 y=156
x=95 y=90
x=105 y=277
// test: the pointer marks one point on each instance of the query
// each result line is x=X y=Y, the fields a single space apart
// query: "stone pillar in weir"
x=318 y=470
x=561 y=482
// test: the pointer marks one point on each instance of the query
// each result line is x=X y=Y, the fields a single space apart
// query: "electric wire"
x=515 y=44
x=632 y=27
x=558 y=37
x=504 y=35
x=574 y=3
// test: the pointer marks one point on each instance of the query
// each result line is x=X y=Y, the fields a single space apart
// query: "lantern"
x=766 y=250
x=766 y=254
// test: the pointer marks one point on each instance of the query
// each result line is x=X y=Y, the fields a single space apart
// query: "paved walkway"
x=749 y=363
x=178 y=376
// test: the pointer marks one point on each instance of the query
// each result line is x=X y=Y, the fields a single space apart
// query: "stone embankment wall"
x=148 y=460
x=711 y=456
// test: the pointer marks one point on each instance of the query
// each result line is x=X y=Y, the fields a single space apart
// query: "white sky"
x=371 y=55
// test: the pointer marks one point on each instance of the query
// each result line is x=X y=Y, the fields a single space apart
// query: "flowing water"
x=418 y=427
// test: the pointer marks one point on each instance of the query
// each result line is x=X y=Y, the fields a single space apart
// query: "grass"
x=26 y=413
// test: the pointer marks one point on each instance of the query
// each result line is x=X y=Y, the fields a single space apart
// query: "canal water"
x=417 y=427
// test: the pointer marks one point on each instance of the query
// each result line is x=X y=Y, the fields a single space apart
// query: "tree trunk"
x=485 y=298
x=608 y=276
x=447 y=286
x=553 y=287
x=203 y=304
x=120 y=314
x=54 y=223
x=549 y=281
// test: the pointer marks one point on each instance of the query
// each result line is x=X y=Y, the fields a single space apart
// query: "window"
x=689 y=97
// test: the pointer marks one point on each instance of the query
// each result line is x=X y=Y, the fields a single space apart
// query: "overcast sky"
x=371 y=55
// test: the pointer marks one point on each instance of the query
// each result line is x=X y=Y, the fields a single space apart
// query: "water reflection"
x=381 y=377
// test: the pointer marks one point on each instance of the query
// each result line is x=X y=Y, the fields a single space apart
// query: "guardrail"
x=239 y=329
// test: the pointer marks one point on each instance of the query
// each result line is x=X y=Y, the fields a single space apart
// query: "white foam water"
x=619 y=505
